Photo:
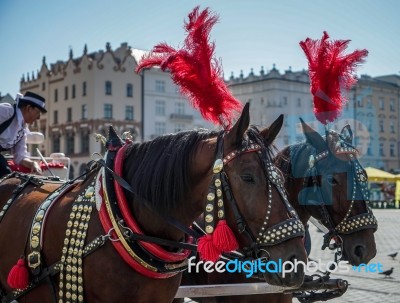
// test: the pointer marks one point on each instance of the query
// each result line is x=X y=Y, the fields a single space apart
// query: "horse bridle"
x=267 y=236
x=348 y=224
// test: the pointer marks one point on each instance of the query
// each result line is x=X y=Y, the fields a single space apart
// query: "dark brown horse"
x=323 y=179
x=136 y=251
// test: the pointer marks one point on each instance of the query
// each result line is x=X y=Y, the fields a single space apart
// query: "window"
x=180 y=108
x=55 y=117
x=108 y=111
x=381 y=128
x=55 y=95
x=369 y=125
x=381 y=103
x=73 y=91
x=43 y=86
x=70 y=143
x=69 y=114
x=392 y=109
x=392 y=150
x=84 y=112
x=298 y=102
x=84 y=86
x=160 y=108
x=284 y=100
x=56 y=144
x=359 y=101
x=128 y=112
x=160 y=86
x=160 y=128
x=392 y=126
x=369 y=150
x=381 y=153
x=85 y=142
x=108 y=88
x=129 y=90
x=66 y=93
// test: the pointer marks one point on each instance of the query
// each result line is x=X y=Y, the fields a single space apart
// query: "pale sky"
x=250 y=33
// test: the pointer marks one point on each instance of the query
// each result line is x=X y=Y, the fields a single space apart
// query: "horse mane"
x=159 y=170
x=290 y=154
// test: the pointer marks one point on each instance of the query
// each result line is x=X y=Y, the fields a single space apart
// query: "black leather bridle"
x=267 y=235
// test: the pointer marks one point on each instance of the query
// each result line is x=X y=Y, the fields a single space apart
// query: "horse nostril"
x=359 y=251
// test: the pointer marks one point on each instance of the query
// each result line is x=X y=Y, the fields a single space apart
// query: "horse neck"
x=153 y=222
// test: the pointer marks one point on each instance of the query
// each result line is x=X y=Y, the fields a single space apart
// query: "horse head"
x=331 y=185
x=255 y=205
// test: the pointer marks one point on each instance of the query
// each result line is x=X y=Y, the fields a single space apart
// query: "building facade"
x=372 y=111
x=86 y=95
x=377 y=133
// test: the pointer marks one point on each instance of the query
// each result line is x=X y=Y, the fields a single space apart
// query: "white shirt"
x=14 y=136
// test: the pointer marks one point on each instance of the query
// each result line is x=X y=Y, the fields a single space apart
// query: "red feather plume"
x=195 y=71
x=330 y=71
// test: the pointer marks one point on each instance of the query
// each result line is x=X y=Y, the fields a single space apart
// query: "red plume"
x=330 y=71
x=195 y=71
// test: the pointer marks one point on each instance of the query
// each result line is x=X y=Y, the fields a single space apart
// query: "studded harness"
x=266 y=236
x=348 y=224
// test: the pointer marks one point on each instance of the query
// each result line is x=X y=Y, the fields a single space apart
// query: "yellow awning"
x=377 y=175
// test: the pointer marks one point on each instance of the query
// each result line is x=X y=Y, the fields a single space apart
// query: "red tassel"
x=223 y=237
x=18 y=278
x=207 y=250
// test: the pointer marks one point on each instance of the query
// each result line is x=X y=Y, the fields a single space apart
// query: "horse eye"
x=331 y=180
x=247 y=178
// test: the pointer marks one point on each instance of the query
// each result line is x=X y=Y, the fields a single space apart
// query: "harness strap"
x=139 y=199
x=52 y=270
x=18 y=189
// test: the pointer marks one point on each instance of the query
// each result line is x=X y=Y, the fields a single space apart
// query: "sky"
x=250 y=33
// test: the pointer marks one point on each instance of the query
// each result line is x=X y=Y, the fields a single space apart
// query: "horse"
x=136 y=245
x=324 y=180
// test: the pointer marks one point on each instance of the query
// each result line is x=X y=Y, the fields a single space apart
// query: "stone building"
x=372 y=110
x=86 y=95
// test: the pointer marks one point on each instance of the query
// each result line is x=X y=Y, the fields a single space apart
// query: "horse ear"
x=114 y=141
x=235 y=135
x=312 y=137
x=347 y=134
x=269 y=134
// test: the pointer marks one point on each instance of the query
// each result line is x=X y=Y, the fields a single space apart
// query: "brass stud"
x=218 y=166
x=209 y=207
x=209 y=218
x=210 y=197
x=209 y=229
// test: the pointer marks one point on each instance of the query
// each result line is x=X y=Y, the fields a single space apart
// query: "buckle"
x=34 y=259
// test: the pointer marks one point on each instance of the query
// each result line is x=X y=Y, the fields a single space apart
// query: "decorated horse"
x=324 y=180
x=122 y=234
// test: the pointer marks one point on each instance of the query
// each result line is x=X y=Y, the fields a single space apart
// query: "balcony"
x=181 y=117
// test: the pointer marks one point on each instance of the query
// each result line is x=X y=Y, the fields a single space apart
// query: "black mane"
x=159 y=170
x=289 y=155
